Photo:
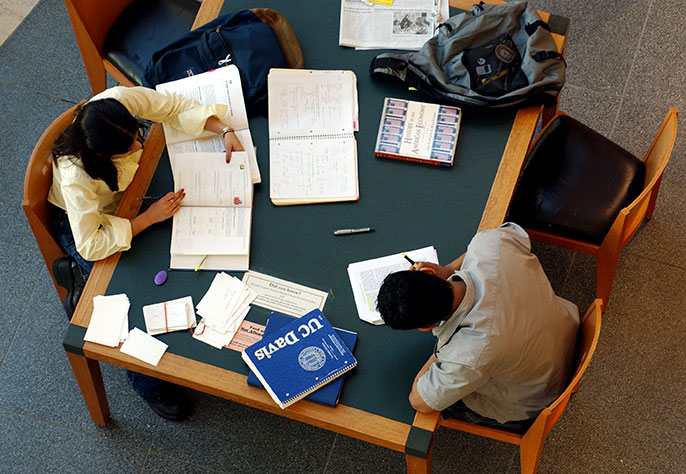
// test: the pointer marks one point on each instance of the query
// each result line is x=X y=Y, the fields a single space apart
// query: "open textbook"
x=367 y=276
x=312 y=150
x=406 y=24
x=219 y=86
x=212 y=228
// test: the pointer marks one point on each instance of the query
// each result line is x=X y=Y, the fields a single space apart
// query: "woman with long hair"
x=94 y=161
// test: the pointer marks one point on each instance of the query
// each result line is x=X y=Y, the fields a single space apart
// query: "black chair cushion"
x=575 y=182
x=143 y=28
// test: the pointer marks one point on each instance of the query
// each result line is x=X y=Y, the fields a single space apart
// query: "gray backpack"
x=493 y=55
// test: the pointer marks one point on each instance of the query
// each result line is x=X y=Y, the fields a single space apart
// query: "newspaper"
x=407 y=24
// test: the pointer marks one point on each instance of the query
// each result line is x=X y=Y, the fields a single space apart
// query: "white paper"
x=144 y=347
x=283 y=296
x=219 y=86
x=109 y=322
x=209 y=181
x=211 y=231
x=367 y=276
x=407 y=24
x=312 y=148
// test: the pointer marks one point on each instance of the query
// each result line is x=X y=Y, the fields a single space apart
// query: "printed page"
x=367 y=276
x=215 y=144
x=306 y=103
x=211 y=182
x=219 y=86
x=407 y=24
x=312 y=170
x=211 y=231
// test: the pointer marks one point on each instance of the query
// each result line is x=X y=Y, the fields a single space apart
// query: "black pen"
x=412 y=262
x=143 y=198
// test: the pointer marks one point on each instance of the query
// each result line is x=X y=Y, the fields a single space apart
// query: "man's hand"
x=416 y=400
x=438 y=270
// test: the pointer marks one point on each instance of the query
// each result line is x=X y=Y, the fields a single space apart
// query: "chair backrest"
x=91 y=20
x=655 y=160
x=37 y=182
x=589 y=332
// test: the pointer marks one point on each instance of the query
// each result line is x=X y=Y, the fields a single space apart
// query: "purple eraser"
x=161 y=277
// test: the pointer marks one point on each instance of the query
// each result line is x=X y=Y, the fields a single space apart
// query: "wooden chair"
x=136 y=29
x=37 y=183
x=583 y=192
x=531 y=442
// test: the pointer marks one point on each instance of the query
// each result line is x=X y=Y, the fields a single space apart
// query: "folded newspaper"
x=406 y=24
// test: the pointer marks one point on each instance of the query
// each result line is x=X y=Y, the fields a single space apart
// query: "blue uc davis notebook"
x=299 y=358
x=328 y=394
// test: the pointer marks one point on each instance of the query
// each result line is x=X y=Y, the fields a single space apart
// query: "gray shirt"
x=507 y=350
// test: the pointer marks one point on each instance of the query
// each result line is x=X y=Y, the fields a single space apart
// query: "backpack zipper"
x=223 y=41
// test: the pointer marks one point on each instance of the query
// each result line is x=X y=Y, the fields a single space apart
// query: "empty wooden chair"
x=581 y=191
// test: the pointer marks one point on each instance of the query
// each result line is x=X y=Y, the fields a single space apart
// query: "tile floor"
x=626 y=67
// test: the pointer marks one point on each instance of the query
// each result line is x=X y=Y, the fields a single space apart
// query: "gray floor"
x=626 y=67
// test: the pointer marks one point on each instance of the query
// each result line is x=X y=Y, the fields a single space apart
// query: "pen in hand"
x=145 y=198
x=412 y=262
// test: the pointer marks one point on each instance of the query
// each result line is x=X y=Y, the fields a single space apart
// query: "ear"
x=428 y=270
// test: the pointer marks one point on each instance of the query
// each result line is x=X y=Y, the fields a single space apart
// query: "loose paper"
x=283 y=296
x=144 y=347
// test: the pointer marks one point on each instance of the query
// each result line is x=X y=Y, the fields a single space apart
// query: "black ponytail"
x=101 y=128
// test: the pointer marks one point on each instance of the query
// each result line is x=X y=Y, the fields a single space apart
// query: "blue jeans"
x=460 y=411
x=145 y=386
x=64 y=235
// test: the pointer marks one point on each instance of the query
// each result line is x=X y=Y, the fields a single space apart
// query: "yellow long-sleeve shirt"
x=90 y=204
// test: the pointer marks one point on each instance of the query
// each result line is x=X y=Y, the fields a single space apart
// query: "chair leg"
x=606 y=267
x=530 y=450
x=653 y=198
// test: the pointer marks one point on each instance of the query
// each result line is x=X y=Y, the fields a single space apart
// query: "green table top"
x=409 y=205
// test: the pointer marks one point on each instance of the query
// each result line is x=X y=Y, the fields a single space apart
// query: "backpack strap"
x=543 y=55
x=531 y=28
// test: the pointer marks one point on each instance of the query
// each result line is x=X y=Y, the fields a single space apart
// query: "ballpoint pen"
x=352 y=231
x=143 y=198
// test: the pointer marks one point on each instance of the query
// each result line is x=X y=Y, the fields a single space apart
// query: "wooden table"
x=415 y=438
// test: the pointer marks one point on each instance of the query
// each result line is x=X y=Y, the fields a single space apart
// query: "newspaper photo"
x=407 y=24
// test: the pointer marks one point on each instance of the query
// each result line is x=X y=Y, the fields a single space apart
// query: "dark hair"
x=414 y=299
x=101 y=128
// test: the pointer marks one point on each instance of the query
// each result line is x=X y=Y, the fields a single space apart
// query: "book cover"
x=328 y=394
x=418 y=131
x=299 y=358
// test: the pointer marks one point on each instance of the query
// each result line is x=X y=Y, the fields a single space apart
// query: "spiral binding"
x=322 y=382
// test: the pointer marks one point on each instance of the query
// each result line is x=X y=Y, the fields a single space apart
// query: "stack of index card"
x=109 y=323
x=168 y=316
x=223 y=309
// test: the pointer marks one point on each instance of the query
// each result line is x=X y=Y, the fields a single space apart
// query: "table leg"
x=417 y=465
x=88 y=376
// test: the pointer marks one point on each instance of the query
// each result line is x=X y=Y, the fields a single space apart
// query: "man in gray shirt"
x=505 y=340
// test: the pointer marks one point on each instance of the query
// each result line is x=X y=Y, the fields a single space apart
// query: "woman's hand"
x=232 y=144
x=166 y=206
x=160 y=210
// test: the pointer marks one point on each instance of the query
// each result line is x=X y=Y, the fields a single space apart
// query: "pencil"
x=197 y=267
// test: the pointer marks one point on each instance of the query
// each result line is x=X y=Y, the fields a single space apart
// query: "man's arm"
x=415 y=399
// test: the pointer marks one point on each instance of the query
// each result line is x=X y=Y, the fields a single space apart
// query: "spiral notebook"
x=299 y=358
x=312 y=149
x=326 y=395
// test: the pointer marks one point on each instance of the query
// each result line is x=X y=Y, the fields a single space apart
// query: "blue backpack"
x=239 y=38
